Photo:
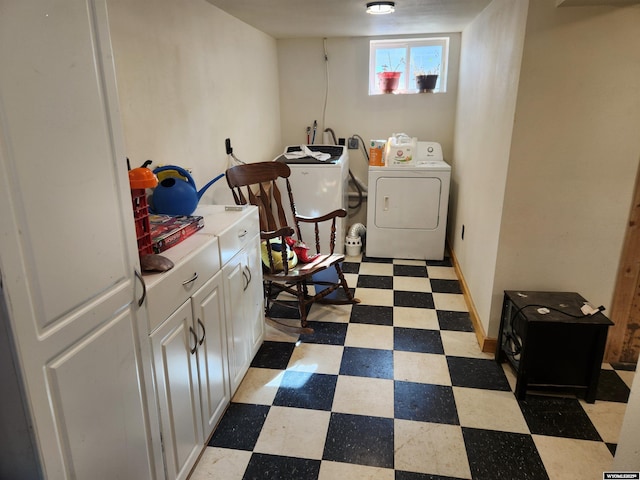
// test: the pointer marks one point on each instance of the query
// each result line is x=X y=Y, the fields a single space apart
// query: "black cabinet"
x=550 y=343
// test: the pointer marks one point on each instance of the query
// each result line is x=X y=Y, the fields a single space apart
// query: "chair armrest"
x=281 y=232
x=341 y=212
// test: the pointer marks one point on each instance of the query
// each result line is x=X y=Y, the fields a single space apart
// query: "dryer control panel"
x=429 y=152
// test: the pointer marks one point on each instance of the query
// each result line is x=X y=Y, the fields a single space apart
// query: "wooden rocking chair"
x=257 y=184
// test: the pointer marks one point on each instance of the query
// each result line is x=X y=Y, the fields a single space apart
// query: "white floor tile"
x=607 y=417
x=430 y=448
x=375 y=296
x=570 y=459
x=369 y=336
x=412 y=284
x=316 y=358
x=489 y=410
x=294 y=432
x=421 y=368
x=450 y=301
x=462 y=344
x=409 y=317
x=259 y=386
x=364 y=396
x=221 y=464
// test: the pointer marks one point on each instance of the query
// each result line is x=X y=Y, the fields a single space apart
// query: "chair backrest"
x=257 y=184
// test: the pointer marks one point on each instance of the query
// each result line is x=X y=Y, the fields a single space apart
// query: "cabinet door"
x=254 y=293
x=67 y=243
x=238 y=330
x=174 y=350
x=213 y=372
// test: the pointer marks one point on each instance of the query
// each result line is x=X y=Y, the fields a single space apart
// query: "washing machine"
x=319 y=187
x=407 y=207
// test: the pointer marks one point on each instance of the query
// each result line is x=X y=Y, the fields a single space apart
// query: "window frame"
x=408 y=86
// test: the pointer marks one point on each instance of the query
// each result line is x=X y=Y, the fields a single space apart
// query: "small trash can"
x=353 y=246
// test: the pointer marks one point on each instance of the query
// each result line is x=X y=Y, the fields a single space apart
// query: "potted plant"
x=388 y=78
x=426 y=81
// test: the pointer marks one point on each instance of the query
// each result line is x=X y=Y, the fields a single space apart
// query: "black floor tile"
x=445 y=262
x=445 y=286
x=367 y=362
x=502 y=455
x=413 y=299
x=371 y=314
x=341 y=295
x=240 y=426
x=557 y=417
x=425 y=403
x=327 y=333
x=274 y=467
x=612 y=447
x=410 y=270
x=350 y=267
x=366 y=259
x=457 y=321
x=286 y=309
x=361 y=440
x=477 y=373
x=306 y=390
x=417 y=340
x=273 y=355
x=611 y=388
x=628 y=367
x=400 y=475
x=375 y=281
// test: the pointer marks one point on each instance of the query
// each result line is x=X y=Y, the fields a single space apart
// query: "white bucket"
x=353 y=246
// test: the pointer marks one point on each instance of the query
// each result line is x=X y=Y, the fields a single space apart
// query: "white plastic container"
x=401 y=149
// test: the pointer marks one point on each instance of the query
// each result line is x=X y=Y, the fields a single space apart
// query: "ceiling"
x=347 y=18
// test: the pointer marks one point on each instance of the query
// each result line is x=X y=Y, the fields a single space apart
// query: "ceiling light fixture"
x=381 y=8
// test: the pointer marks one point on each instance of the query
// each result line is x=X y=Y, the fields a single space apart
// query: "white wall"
x=349 y=109
x=489 y=71
x=189 y=76
x=574 y=154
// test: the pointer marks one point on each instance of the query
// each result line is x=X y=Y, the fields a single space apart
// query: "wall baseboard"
x=487 y=344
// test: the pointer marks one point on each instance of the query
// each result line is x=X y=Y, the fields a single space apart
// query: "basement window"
x=408 y=57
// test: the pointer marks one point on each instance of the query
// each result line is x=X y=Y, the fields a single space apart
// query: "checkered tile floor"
x=397 y=388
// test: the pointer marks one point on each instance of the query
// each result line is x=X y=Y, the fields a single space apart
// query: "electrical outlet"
x=227 y=146
x=353 y=143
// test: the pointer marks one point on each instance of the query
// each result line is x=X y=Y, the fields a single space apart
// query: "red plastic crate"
x=141 y=218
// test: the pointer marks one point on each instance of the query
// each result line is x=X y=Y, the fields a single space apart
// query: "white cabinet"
x=176 y=369
x=186 y=318
x=208 y=313
x=243 y=302
x=206 y=323
x=68 y=253
x=239 y=234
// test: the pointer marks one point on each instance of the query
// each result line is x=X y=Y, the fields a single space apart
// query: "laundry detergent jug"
x=400 y=150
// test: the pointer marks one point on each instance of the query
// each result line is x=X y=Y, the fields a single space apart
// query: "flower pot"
x=426 y=83
x=388 y=81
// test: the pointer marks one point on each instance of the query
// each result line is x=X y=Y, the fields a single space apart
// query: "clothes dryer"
x=407 y=207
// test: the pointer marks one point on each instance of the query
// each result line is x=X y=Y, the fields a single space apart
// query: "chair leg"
x=345 y=287
x=302 y=305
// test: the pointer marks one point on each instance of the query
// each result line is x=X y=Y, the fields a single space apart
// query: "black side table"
x=553 y=349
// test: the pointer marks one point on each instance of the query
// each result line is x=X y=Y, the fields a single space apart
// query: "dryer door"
x=408 y=203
